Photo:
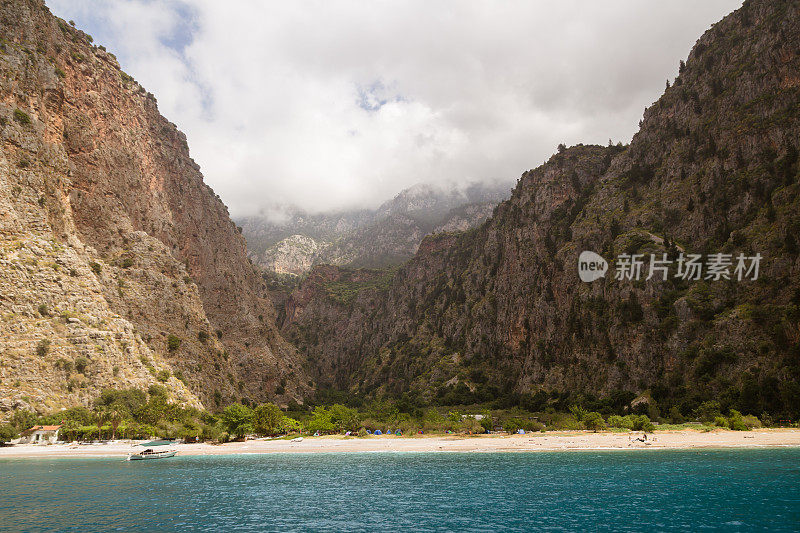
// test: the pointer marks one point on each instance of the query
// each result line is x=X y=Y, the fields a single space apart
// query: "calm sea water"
x=737 y=490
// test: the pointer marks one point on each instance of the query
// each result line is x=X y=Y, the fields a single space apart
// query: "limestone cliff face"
x=106 y=222
x=499 y=311
x=293 y=255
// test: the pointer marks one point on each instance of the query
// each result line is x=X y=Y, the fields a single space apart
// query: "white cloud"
x=330 y=105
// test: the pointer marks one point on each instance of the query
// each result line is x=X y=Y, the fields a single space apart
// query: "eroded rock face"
x=500 y=310
x=105 y=221
x=293 y=255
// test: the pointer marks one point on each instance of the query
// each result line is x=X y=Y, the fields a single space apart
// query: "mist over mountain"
x=382 y=237
x=342 y=105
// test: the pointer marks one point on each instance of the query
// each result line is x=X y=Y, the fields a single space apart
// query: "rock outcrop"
x=293 y=255
x=120 y=267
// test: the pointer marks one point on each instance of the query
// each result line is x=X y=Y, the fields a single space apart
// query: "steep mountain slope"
x=500 y=312
x=384 y=237
x=114 y=251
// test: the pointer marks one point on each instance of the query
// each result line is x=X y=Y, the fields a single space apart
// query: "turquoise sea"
x=733 y=490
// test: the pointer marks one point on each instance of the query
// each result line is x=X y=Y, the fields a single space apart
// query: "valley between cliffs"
x=120 y=267
x=498 y=314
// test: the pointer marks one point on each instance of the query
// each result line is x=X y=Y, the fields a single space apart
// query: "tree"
x=593 y=421
x=81 y=363
x=21 y=116
x=115 y=417
x=470 y=425
x=708 y=411
x=267 y=419
x=616 y=421
x=157 y=390
x=126 y=400
x=641 y=423
x=289 y=425
x=736 y=421
x=675 y=415
x=7 y=433
x=43 y=347
x=383 y=410
x=344 y=418
x=77 y=415
x=487 y=423
x=153 y=411
x=578 y=412
x=237 y=419
x=111 y=414
x=23 y=419
x=102 y=416
x=173 y=342
x=320 y=421
x=512 y=425
x=190 y=432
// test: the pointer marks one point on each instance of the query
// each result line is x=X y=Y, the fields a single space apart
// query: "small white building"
x=40 y=435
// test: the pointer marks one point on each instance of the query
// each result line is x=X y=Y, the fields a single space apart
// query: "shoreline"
x=687 y=439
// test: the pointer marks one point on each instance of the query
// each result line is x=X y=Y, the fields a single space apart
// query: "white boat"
x=151 y=454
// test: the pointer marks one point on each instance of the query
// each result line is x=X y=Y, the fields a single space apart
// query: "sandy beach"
x=555 y=441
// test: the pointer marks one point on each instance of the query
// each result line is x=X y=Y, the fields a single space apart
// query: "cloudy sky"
x=336 y=104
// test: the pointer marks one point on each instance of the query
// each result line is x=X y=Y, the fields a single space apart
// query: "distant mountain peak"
x=385 y=236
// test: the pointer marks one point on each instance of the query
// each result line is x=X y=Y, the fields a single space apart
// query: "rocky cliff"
x=120 y=267
x=499 y=312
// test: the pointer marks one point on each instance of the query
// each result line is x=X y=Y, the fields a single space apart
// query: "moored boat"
x=150 y=453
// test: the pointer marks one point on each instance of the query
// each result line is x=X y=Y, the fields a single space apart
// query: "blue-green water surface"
x=734 y=490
